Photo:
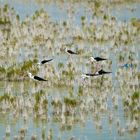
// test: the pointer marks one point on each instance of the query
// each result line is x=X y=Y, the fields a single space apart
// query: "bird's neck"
x=32 y=77
x=92 y=59
x=97 y=72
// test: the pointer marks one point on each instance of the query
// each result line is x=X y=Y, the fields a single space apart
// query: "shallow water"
x=81 y=131
x=58 y=13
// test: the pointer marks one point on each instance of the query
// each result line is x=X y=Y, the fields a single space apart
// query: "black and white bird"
x=97 y=59
x=101 y=72
x=87 y=75
x=70 y=51
x=35 y=77
x=44 y=61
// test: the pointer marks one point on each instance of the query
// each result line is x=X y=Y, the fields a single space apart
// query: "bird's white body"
x=84 y=76
x=66 y=50
x=38 y=63
x=92 y=59
x=96 y=73
x=35 y=77
x=30 y=75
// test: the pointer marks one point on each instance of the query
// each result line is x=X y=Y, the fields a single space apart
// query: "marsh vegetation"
x=66 y=106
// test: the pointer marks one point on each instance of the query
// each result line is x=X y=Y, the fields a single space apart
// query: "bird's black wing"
x=90 y=74
x=45 y=61
x=71 y=52
x=107 y=72
x=101 y=72
x=39 y=79
x=99 y=58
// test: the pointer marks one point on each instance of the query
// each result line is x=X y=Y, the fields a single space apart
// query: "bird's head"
x=66 y=49
x=92 y=59
x=38 y=63
x=96 y=73
x=29 y=74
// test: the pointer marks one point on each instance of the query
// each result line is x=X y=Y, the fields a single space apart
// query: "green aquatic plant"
x=19 y=71
x=132 y=103
x=105 y=17
x=38 y=13
x=139 y=76
x=56 y=118
x=6 y=7
x=97 y=4
x=4 y=22
x=27 y=65
x=121 y=57
x=70 y=102
x=18 y=17
x=37 y=98
x=38 y=95
x=69 y=74
x=135 y=22
x=56 y=103
x=38 y=39
x=83 y=18
x=43 y=134
x=2 y=69
x=135 y=96
x=64 y=23
x=13 y=41
x=12 y=99
x=36 y=107
x=80 y=91
x=7 y=97
x=10 y=73
x=71 y=93
x=50 y=136
x=131 y=57
x=69 y=65
x=80 y=51
x=77 y=38
x=45 y=104
x=60 y=65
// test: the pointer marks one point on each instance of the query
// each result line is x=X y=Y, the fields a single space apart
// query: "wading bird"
x=101 y=72
x=44 y=61
x=70 y=51
x=35 y=77
x=97 y=59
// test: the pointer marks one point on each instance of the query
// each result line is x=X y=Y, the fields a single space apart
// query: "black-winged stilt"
x=87 y=75
x=97 y=59
x=44 y=61
x=70 y=51
x=101 y=72
x=35 y=77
